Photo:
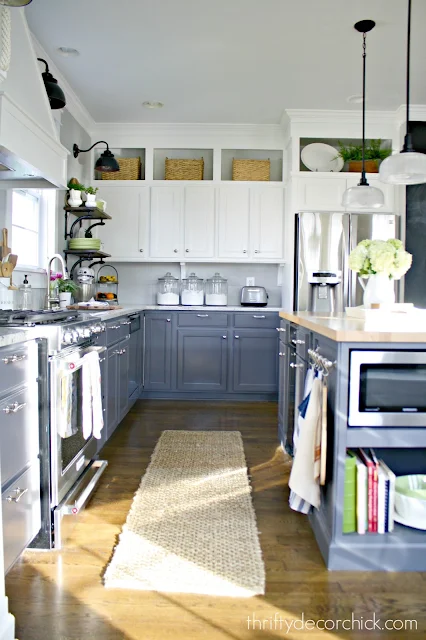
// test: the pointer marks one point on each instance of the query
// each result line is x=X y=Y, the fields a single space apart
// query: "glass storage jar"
x=217 y=291
x=168 y=290
x=192 y=291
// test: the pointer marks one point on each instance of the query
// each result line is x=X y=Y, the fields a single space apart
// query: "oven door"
x=71 y=449
x=387 y=389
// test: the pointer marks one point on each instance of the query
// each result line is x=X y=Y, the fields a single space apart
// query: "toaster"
x=254 y=297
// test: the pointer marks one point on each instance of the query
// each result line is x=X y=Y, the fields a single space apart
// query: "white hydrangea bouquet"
x=386 y=257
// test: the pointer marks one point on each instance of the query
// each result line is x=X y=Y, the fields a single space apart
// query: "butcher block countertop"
x=389 y=327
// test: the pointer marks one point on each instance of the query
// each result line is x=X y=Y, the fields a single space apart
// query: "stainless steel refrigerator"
x=323 y=281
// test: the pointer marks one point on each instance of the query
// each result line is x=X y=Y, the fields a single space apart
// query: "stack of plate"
x=85 y=244
x=410 y=501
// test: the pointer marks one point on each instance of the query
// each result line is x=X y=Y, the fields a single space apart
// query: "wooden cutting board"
x=94 y=308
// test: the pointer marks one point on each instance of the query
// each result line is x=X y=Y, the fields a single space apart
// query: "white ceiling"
x=230 y=61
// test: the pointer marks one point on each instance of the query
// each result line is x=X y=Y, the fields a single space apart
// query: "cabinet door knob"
x=244 y=250
x=168 y=319
x=186 y=250
x=141 y=250
x=175 y=250
x=256 y=251
x=224 y=337
x=236 y=337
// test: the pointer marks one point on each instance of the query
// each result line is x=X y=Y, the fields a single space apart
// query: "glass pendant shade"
x=407 y=167
x=363 y=197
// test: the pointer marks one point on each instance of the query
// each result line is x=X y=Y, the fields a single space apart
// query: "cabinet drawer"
x=16 y=365
x=256 y=319
x=19 y=432
x=203 y=319
x=116 y=330
x=21 y=514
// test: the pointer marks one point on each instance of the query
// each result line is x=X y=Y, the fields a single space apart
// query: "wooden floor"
x=60 y=596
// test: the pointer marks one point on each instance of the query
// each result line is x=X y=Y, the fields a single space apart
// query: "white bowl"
x=411 y=507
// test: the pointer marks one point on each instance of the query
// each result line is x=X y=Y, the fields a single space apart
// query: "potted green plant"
x=351 y=155
x=75 y=191
x=66 y=289
x=91 y=196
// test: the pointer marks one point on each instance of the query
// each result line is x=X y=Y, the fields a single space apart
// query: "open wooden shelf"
x=90 y=213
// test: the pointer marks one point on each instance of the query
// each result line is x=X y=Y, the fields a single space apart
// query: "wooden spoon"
x=6 y=249
x=13 y=259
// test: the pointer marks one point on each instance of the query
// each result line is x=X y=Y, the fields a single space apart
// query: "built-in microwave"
x=387 y=389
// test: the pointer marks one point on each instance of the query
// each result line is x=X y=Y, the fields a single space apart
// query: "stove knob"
x=80 y=332
x=94 y=328
x=75 y=335
x=67 y=338
x=87 y=332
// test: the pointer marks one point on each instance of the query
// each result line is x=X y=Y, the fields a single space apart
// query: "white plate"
x=321 y=157
x=409 y=523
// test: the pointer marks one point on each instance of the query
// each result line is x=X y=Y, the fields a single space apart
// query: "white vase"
x=75 y=198
x=380 y=289
x=90 y=199
x=64 y=299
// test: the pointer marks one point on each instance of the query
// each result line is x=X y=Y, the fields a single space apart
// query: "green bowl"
x=413 y=486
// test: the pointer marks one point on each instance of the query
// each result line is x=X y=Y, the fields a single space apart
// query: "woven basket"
x=181 y=169
x=251 y=169
x=130 y=169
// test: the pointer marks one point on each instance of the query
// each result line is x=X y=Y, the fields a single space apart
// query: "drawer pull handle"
x=122 y=351
x=281 y=354
x=15 y=407
x=295 y=366
x=280 y=330
x=127 y=322
x=297 y=341
x=115 y=326
x=102 y=359
x=202 y=315
x=259 y=317
x=116 y=353
x=13 y=358
x=19 y=494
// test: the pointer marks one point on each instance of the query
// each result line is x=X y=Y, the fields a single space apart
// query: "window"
x=32 y=225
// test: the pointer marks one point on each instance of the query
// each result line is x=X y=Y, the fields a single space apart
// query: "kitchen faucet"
x=51 y=300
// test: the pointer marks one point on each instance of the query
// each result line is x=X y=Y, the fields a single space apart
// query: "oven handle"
x=64 y=364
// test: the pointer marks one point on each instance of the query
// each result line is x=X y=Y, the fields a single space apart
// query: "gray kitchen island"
x=376 y=399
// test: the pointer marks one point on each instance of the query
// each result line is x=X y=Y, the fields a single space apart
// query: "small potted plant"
x=66 y=289
x=91 y=196
x=351 y=154
x=75 y=191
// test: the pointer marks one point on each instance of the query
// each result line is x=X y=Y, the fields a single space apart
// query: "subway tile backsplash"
x=138 y=281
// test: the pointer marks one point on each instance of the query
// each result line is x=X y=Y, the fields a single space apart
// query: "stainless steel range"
x=69 y=469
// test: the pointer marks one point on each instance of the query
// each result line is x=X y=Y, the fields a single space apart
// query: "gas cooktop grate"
x=32 y=318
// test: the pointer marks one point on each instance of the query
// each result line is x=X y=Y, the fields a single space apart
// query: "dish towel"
x=304 y=476
x=65 y=428
x=93 y=420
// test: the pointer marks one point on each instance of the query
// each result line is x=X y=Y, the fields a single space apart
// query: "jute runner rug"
x=192 y=525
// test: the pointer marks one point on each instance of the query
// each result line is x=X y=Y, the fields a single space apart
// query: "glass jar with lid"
x=192 y=291
x=168 y=290
x=217 y=291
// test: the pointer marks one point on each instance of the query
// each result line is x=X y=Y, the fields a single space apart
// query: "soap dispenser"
x=26 y=295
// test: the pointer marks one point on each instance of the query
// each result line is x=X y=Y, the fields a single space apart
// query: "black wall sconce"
x=54 y=92
x=15 y=3
x=106 y=162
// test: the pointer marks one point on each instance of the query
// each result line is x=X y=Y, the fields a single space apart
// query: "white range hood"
x=31 y=154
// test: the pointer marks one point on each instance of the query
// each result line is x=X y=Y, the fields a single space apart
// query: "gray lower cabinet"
x=158 y=354
x=112 y=394
x=202 y=359
x=255 y=360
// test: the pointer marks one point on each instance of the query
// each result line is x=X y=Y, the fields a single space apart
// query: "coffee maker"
x=323 y=290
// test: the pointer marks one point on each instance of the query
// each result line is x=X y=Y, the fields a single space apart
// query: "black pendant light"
x=106 y=162
x=15 y=3
x=408 y=166
x=363 y=196
x=54 y=92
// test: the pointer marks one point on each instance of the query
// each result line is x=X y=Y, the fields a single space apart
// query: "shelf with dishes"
x=333 y=155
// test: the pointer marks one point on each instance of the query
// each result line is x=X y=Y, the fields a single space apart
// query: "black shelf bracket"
x=79 y=221
x=88 y=233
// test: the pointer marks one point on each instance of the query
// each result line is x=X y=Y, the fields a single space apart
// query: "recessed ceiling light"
x=355 y=99
x=68 y=52
x=152 y=105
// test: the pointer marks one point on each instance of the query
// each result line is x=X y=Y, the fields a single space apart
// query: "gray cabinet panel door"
x=158 y=351
x=112 y=395
x=202 y=359
x=134 y=362
x=282 y=383
x=255 y=360
x=123 y=377
x=103 y=364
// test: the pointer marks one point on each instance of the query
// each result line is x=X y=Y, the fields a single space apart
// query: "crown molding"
x=177 y=129
x=417 y=112
x=345 y=116
x=74 y=105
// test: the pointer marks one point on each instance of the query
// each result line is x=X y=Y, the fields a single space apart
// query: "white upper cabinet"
x=234 y=222
x=199 y=222
x=320 y=194
x=126 y=235
x=166 y=237
x=266 y=223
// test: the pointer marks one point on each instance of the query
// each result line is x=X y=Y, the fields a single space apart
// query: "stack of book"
x=369 y=495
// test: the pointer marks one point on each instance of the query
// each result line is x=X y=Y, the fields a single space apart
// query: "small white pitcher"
x=379 y=289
